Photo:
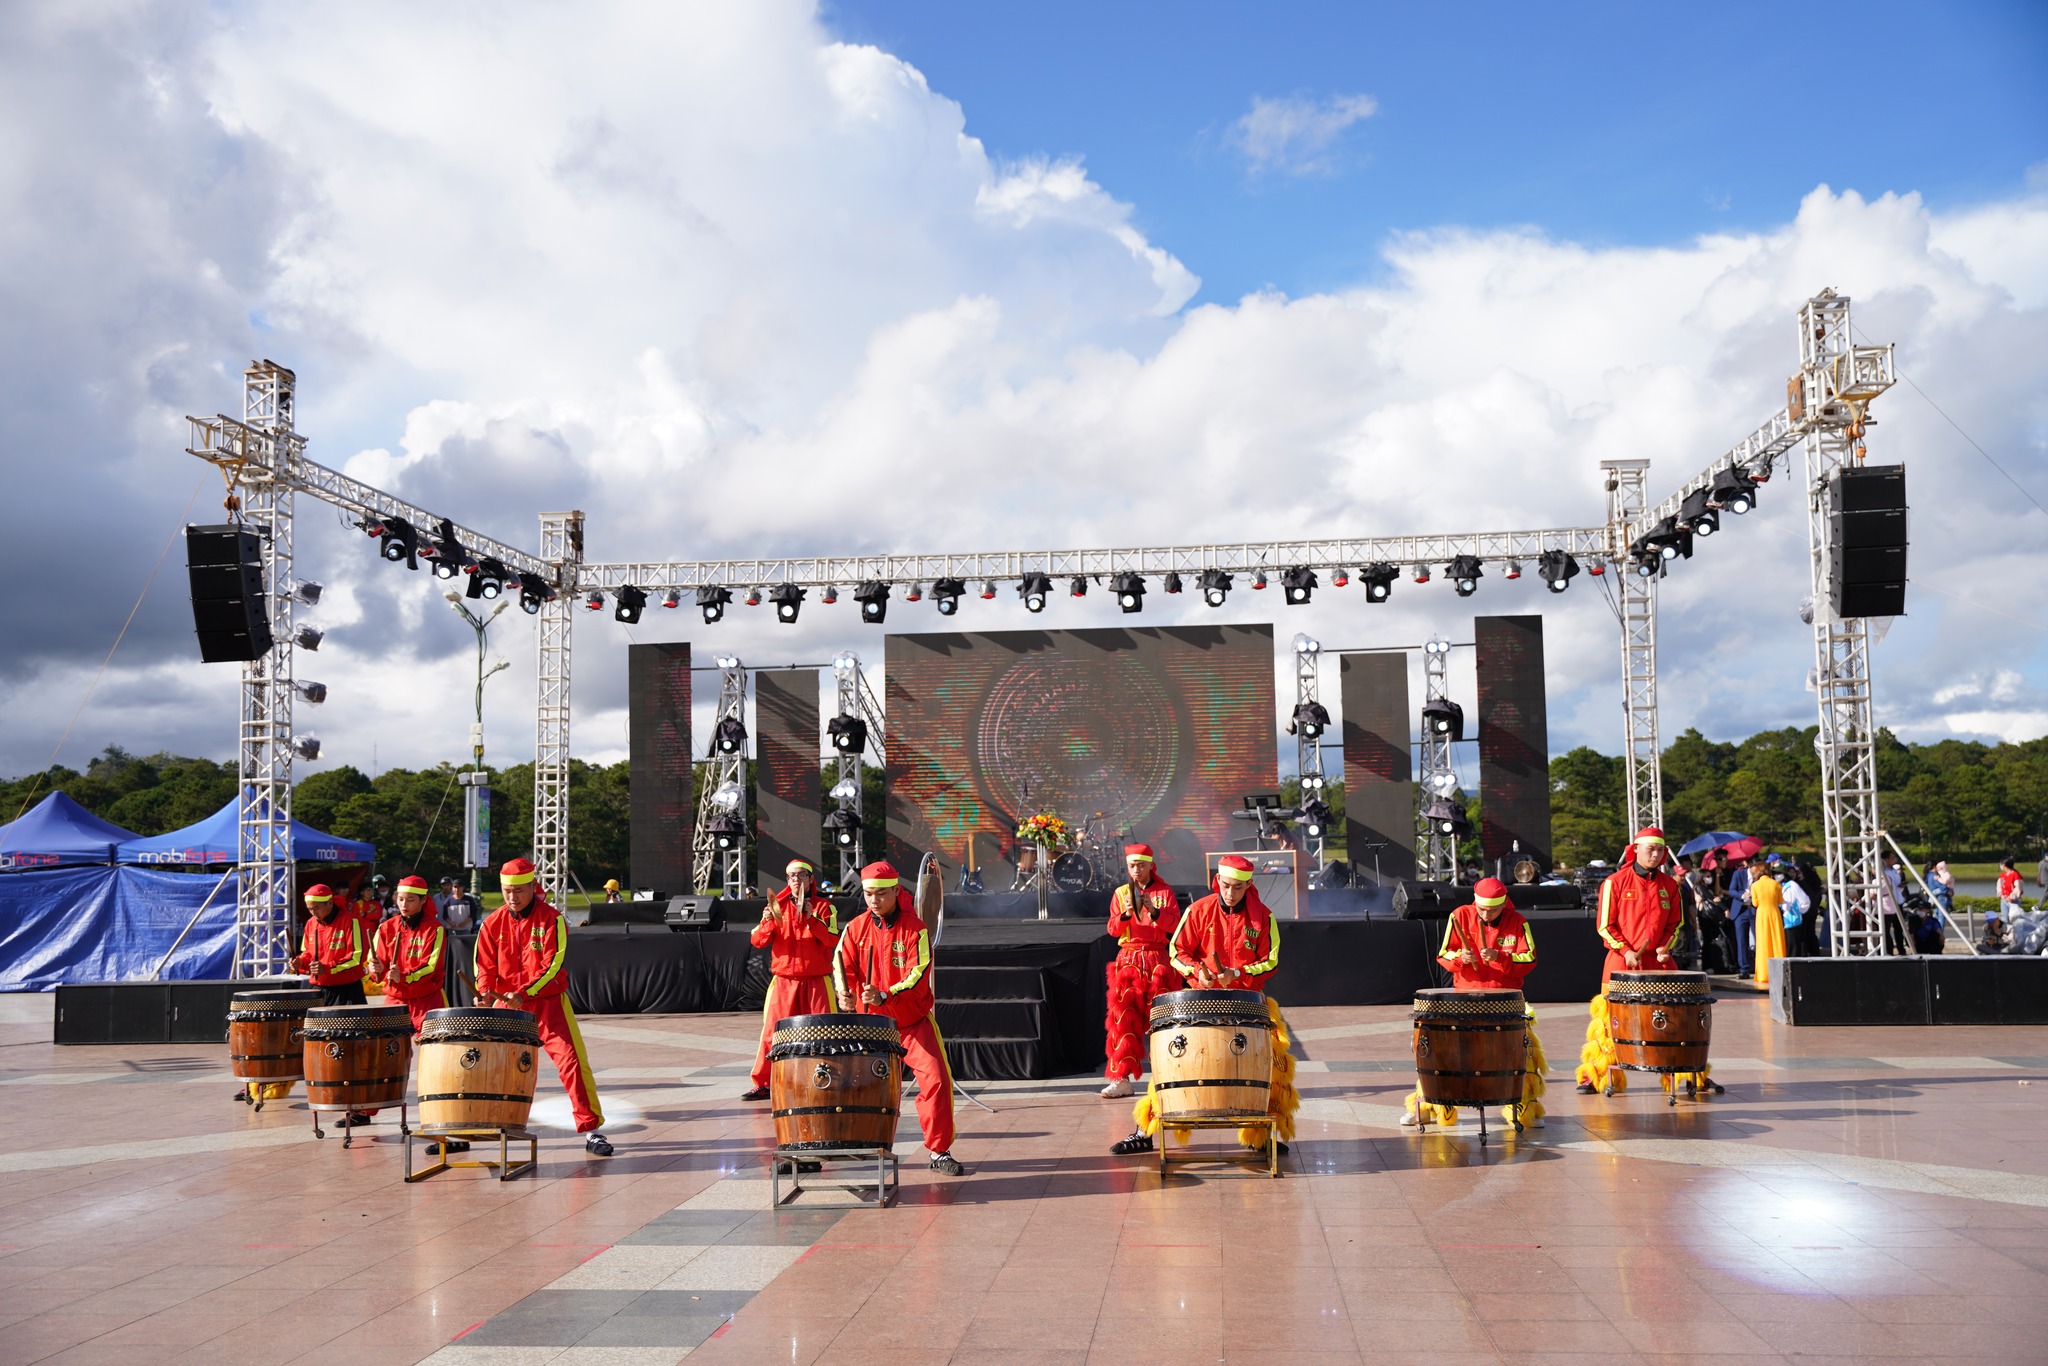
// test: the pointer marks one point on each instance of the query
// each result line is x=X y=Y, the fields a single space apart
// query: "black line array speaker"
x=2002 y=990
x=152 y=1012
x=229 y=610
x=1867 y=541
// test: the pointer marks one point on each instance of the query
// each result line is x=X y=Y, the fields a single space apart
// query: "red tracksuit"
x=1508 y=936
x=1639 y=911
x=1139 y=972
x=333 y=953
x=896 y=959
x=800 y=955
x=529 y=954
x=411 y=955
x=1212 y=937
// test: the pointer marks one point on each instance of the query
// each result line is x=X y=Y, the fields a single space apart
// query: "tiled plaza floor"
x=1856 y=1193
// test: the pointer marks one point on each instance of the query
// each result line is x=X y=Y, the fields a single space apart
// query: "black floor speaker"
x=2002 y=990
x=1849 y=991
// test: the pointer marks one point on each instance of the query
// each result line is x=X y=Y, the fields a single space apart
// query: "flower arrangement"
x=1046 y=829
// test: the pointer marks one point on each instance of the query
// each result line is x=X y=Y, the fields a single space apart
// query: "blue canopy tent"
x=213 y=841
x=60 y=925
x=59 y=833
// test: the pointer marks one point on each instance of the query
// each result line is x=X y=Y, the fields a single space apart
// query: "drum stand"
x=1422 y=1118
x=1250 y=1165
x=888 y=1175
x=348 y=1130
x=505 y=1167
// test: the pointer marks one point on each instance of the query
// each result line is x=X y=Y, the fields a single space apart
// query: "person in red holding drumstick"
x=1639 y=920
x=332 y=956
x=522 y=957
x=1487 y=944
x=800 y=929
x=408 y=952
x=883 y=967
x=1143 y=914
x=1229 y=940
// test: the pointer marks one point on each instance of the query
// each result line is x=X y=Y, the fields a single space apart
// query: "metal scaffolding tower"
x=724 y=800
x=847 y=779
x=1308 y=747
x=1437 y=777
x=1829 y=398
x=1635 y=605
x=561 y=549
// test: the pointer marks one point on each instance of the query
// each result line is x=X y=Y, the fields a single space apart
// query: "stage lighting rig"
x=316 y=693
x=988 y=590
x=396 y=540
x=946 y=594
x=849 y=734
x=1078 y=586
x=307 y=593
x=1215 y=586
x=1315 y=820
x=1311 y=719
x=712 y=598
x=754 y=596
x=672 y=598
x=307 y=747
x=1171 y=583
x=1441 y=716
x=788 y=600
x=533 y=591
x=1130 y=591
x=1733 y=491
x=1697 y=515
x=1313 y=782
x=1557 y=568
x=488 y=579
x=845 y=827
x=1259 y=579
x=593 y=601
x=1034 y=589
x=1379 y=580
x=1421 y=573
x=1339 y=579
x=306 y=638
x=446 y=552
x=1514 y=570
x=631 y=601
x=1297 y=585
x=873 y=597
x=1464 y=572
x=1306 y=644
x=831 y=594
x=729 y=736
x=1446 y=817
x=727 y=830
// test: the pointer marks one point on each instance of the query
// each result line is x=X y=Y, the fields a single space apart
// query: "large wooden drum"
x=357 y=1056
x=835 y=1082
x=1662 y=1021
x=1212 y=1054
x=1471 y=1047
x=477 y=1069
x=263 y=1034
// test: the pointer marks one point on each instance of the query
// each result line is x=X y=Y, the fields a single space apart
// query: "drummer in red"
x=800 y=929
x=332 y=956
x=409 y=953
x=522 y=957
x=883 y=967
x=1143 y=914
x=1487 y=944
x=1639 y=920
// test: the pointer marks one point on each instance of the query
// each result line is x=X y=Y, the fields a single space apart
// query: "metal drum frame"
x=1694 y=990
x=1484 y=1022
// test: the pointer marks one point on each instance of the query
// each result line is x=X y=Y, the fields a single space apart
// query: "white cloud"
x=1295 y=134
x=733 y=288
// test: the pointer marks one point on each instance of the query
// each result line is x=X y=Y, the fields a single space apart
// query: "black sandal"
x=1138 y=1142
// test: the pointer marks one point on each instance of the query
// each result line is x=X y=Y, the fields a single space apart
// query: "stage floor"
x=1862 y=1192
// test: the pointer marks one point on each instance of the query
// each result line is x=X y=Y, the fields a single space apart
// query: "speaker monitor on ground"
x=230 y=612
x=692 y=913
x=1867 y=541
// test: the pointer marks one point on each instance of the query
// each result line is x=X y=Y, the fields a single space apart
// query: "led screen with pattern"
x=1156 y=731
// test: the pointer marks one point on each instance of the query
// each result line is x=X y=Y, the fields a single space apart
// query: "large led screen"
x=1158 y=732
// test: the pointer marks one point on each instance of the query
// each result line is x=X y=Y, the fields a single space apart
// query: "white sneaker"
x=1117 y=1089
x=1411 y=1121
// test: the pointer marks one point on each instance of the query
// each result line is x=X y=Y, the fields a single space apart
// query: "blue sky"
x=1608 y=124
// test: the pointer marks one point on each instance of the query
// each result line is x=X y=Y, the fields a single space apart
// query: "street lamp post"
x=481 y=625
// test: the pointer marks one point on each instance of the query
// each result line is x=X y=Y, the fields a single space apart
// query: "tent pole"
x=166 y=960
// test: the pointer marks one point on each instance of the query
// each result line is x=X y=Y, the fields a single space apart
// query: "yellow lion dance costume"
x=1282 y=1099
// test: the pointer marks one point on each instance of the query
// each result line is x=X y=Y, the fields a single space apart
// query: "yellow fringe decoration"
x=1282 y=1099
x=1531 y=1105
x=1598 y=1066
x=270 y=1090
x=1698 y=1079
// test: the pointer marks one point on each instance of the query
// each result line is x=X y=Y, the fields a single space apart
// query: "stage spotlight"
x=730 y=735
x=306 y=746
x=1130 y=591
x=1673 y=541
x=1556 y=568
x=849 y=734
x=1464 y=572
x=1443 y=784
x=306 y=638
x=754 y=596
x=446 y=552
x=398 y=541
x=672 y=598
x=1646 y=556
x=831 y=595
x=1733 y=491
x=1447 y=818
x=712 y=598
x=533 y=591
x=307 y=593
x=1259 y=579
x=845 y=827
x=1310 y=719
x=873 y=597
x=1441 y=716
x=1697 y=515
x=1340 y=578
x=788 y=600
x=1306 y=644
x=1315 y=820
x=1171 y=583
x=728 y=831
x=1078 y=587
x=1514 y=570
x=488 y=578
x=316 y=693
x=1215 y=586
x=946 y=594
x=630 y=603
x=1379 y=580
x=593 y=602
x=845 y=664
x=916 y=593
x=1421 y=573
x=1313 y=782
x=988 y=590
x=1297 y=585
x=1034 y=589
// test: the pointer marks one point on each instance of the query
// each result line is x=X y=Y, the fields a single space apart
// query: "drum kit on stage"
x=476 y=1069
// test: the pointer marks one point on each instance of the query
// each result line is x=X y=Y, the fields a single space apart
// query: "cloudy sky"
x=765 y=277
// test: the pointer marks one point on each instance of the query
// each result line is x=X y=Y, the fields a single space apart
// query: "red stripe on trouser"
x=925 y=1056
x=553 y=1018
x=789 y=996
